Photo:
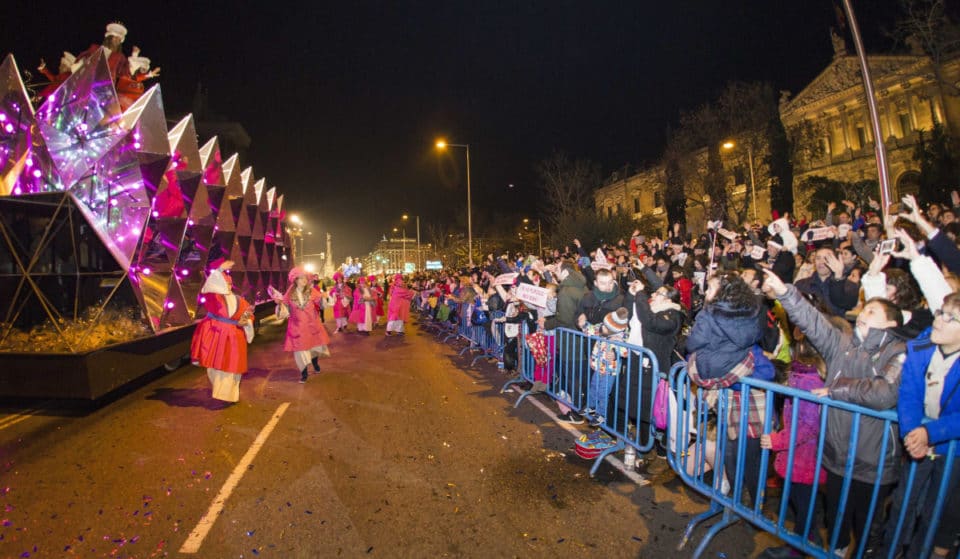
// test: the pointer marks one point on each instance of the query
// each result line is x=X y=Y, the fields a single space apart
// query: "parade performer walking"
x=363 y=311
x=306 y=336
x=220 y=341
x=342 y=299
x=398 y=309
x=377 y=291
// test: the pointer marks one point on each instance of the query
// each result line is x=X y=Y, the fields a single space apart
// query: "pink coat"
x=304 y=329
x=803 y=377
x=399 y=307
x=341 y=300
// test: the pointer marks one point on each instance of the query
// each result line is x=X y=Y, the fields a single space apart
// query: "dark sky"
x=344 y=100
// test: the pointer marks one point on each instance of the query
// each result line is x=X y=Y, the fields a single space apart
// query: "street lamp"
x=753 y=188
x=539 y=236
x=405 y=217
x=442 y=145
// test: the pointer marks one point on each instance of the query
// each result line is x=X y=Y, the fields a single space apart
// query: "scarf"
x=604 y=295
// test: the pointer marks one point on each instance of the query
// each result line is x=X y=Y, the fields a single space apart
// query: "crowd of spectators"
x=855 y=306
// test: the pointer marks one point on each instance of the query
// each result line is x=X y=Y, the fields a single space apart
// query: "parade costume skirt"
x=226 y=386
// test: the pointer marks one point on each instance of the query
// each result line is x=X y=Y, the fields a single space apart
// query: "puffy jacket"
x=802 y=377
x=596 y=307
x=863 y=372
x=913 y=390
x=722 y=337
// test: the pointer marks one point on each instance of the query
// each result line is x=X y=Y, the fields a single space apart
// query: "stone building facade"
x=832 y=108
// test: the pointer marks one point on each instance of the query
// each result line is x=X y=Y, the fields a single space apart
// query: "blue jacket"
x=913 y=388
x=722 y=336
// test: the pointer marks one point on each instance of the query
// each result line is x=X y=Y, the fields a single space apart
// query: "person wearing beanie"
x=605 y=361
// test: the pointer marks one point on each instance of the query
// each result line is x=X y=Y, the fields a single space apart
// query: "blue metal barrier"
x=692 y=462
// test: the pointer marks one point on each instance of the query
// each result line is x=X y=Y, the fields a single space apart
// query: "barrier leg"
x=511 y=382
x=615 y=448
x=728 y=519
x=715 y=509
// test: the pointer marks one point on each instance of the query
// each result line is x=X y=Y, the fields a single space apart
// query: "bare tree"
x=927 y=27
x=567 y=186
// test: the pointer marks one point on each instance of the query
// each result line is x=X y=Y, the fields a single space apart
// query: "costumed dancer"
x=220 y=341
x=342 y=299
x=398 y=308
x=377 y=291
x=363 y=301
x=306 y=336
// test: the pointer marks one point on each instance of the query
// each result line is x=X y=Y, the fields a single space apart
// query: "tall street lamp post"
x=753 y=186
x=405 y=217
x=441 y=145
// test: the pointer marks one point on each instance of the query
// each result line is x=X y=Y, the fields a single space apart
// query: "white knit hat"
x=116 y=30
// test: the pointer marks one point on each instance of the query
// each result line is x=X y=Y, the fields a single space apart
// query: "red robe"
x=116 y=62
x=304 y=329
x=217 y=344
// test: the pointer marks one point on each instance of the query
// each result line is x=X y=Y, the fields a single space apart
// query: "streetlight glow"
x=295 y=218
x=728 y=145
x=442 y=144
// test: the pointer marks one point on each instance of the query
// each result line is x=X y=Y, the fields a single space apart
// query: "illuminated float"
x=107 y=222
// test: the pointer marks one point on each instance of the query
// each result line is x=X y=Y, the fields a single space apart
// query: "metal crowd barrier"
x=624 y=409
x=694 y=420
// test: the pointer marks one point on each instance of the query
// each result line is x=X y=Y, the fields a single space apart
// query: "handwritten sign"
x=727 y=233
x=842 y=230
x=757 y=253
x=533 y=295
x=505 y=279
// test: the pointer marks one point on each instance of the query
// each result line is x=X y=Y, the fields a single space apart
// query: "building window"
x=636 y=205
x=609 y=212
x=861 y=137
x=825 y=147
x=905 y=127
x=619 y=208
x=657 y=199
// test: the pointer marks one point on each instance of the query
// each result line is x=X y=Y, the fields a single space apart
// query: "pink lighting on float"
x=113 y=202
x=17 y=191
x=184 y=272
x=136 y=145
x=3 y=117
x=203 y=300
x=8 y=128
x=37 y=173
x=156 y=213
x=29 y=162
x=146 y=271
x=169 y=305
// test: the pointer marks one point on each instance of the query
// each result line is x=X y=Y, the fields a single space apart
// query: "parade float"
x=107 y=222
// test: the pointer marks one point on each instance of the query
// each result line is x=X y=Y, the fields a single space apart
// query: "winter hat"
x=617 y=321
x=372 y=279
x=295 y=273
x=116 y=30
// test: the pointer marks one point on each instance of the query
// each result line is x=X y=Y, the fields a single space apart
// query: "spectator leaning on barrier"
x=863 y=368
x=605 y=361
x=929 y=412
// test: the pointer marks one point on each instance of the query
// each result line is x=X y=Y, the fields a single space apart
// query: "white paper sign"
x=727 y=233
x=818 y=234
x=533 y=295
x=842 y=230
x=757 y=252
x=505 y=279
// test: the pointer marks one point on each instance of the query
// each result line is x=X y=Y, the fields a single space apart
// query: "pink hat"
x=371 y=279
x=337 y=276
x=295 y=273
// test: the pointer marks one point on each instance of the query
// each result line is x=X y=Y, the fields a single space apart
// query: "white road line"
x=192 y=545
x=613 y=460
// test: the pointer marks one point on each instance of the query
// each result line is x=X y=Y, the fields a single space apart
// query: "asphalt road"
x=396 y=449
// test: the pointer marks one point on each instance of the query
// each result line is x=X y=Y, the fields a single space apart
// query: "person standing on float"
x=398 y=309
x=220 y=341
x=306 y=337
x=342 y=299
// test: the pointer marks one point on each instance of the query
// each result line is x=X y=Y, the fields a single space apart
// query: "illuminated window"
x=636 y=205
x=905 y=127
x=861 y=137
x=657 y=199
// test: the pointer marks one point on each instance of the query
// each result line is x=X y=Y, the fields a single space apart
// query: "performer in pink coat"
x=363 y=311
x=306 y=336
x=398 y=309
x=342 y=301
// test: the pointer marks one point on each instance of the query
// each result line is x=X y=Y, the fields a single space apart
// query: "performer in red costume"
x=306 y=337
x=66 y=68
x=112 y=41
x=377 y=291
x=130 y=86
x=220 y=340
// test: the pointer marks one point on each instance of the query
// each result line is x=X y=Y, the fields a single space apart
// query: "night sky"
x=344 y=100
